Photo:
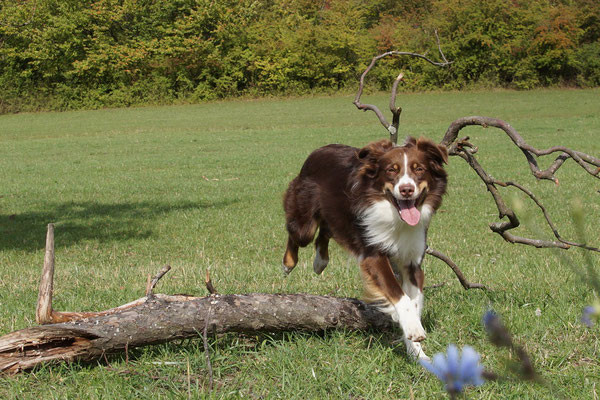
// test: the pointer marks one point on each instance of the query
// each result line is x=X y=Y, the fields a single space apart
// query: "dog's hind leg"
x=322 y=249
x=290 y=257
x=299 y=236
x=301 y=219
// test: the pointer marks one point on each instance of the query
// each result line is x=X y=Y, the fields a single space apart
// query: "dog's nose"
x=406 y=190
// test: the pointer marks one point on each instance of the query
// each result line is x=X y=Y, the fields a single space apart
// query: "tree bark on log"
x=161 y=318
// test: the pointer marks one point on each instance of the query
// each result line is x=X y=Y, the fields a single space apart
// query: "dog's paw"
x=415 y=350
x=409 y=320
x=319 y=264
x=414 y=333
x=286 y=270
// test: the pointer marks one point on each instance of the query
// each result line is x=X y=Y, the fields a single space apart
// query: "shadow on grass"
x=78 y=221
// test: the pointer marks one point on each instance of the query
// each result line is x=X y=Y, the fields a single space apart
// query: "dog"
x=377 y=203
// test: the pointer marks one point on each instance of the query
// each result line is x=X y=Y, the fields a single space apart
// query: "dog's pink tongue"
x=409 y=213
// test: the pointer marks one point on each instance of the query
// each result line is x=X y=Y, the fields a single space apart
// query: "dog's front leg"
x=382 y=287
x=412 y=284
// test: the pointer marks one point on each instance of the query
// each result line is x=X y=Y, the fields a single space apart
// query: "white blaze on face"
x=405 y=179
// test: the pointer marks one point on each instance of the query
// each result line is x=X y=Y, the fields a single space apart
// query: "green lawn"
x=199 y=187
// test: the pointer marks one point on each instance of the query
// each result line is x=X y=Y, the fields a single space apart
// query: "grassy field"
x=199 y=187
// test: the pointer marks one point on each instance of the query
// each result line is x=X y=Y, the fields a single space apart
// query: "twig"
x=209 y=285
x=435 y=286
x=463 y=281
x=589 y=163
x=152 y=283
x=189 y=380
x=44 y=311
x=437 y=39
x=547 y=216
x=109 y=366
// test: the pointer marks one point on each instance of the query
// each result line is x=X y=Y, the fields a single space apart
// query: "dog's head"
x=407 y=176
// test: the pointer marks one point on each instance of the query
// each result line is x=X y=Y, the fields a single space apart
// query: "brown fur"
x=337 y=182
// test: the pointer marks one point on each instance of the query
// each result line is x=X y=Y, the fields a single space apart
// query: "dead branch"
x=152 y=283
x=467 y=151
x=162 y=318
x=464 y=149
x=589 y=163
x=461 y=278
x=393 y=127
x=159 y=318
x=43 y=312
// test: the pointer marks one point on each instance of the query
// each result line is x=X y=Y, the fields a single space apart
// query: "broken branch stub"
x=43 y=312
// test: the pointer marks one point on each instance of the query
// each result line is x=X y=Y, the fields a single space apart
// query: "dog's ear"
x=369 y=157
x=436 y=153
x=410 y=141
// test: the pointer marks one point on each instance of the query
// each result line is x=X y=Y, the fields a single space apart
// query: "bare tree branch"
x=160 y=318
x=43 y=311
x=466 y=151
x=209 y=285
x=589 y=163
x=152 y=283
x=45 y=314
x=393 y=127
x=437 y=39
x=546 y=216
x=461 y=278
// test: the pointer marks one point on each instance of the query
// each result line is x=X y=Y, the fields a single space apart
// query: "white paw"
x=409 y=320
x=415 y=350
x=413 y=330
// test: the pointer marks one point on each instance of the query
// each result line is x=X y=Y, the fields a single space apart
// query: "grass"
x=199 y=187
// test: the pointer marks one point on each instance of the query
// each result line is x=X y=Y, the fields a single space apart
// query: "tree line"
x=71 y=54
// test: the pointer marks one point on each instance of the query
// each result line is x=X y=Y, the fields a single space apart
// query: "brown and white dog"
x=376 y=202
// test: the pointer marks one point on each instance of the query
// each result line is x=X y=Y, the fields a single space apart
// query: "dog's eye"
x=392 y=170
x=419 y=170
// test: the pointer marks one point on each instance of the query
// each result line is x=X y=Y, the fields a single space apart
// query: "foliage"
x=58 y=54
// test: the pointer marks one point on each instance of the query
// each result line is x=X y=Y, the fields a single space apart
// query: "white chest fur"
x=385 y=230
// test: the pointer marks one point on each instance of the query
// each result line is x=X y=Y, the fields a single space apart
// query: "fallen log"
x=160 y=318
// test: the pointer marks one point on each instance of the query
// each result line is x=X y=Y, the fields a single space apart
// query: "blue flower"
x=588 y=313
x=454 y=370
